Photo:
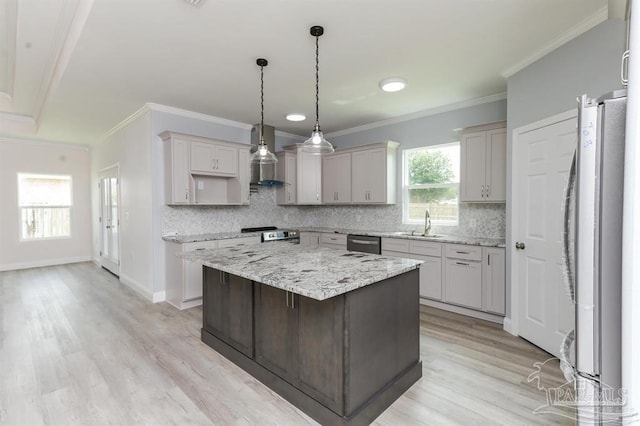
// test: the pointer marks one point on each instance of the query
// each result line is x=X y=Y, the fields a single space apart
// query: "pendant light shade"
x=262 y=155
x=317 y=144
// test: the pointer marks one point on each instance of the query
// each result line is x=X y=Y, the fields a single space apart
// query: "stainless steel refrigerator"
x=593 y=258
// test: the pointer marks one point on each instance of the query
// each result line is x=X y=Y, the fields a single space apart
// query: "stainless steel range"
x=271 y=233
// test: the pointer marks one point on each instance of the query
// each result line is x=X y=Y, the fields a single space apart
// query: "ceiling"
x=72 y=69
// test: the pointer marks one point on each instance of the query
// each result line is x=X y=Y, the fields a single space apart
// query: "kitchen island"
x=334 y=332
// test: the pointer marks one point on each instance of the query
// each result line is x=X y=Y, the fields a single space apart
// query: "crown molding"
x=421 y=114
x=597 y=18
x=198 y=116
x=40 y=142
x=290 y=136
x=150 y=107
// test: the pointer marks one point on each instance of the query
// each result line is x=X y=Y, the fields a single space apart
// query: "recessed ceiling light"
x=296 y=117
x=393 y=84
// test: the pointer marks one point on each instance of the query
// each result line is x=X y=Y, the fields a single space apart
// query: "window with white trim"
x=45 y=206
x=431 y=180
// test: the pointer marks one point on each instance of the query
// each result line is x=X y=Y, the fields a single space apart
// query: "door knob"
x=519 y=246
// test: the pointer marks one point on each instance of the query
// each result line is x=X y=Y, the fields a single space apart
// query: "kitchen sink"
x=417 y=234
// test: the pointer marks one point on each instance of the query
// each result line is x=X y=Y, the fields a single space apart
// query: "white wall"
x=129 y=147
x=21 y=156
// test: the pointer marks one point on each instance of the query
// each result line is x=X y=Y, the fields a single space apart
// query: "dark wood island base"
x=342 y=360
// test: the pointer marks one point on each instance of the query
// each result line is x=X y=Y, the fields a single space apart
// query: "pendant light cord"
x=317 y=85
x=261 y=104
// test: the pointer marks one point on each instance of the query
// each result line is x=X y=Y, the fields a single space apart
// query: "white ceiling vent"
x=196 y=3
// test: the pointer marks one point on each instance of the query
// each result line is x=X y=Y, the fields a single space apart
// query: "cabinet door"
x=493 y=280
x=309 y=170
x=276 y=329
x=309 y=239
x=360 y=177
x=244 y=174
x=377 y=176
x=336 y=179
x=179 y=160
x=496 y=174
x=472 y=166
x=202 y=157
x=431 y=277
x=239 y=301
x=290 y=183
x=320 y=349
x=213 y=316
x=225 y=160
x=463 y=283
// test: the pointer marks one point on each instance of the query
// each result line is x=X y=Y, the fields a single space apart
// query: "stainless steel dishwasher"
x=363 y=243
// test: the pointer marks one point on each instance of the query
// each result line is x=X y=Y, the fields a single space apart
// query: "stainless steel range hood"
x=264 y=174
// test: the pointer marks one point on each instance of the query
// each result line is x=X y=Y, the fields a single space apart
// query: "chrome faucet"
x=427 y=222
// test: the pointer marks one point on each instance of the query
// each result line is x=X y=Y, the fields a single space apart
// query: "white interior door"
x=110 y=220
x=542 y=158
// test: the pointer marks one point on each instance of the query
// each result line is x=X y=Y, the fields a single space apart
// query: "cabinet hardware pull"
x=462 y=252
x=489 y=258
x=482 y=192
x=293 y=301
x=186 y=194
x=461 y=263
x=286 y=298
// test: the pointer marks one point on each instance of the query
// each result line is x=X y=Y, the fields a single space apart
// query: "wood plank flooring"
x=79 y=348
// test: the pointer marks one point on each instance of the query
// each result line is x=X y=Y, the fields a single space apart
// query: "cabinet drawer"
x=395 y=244
x=425 y=248
x=237 y=241
x=336 y=239
x=199 y=245
x=461 y=251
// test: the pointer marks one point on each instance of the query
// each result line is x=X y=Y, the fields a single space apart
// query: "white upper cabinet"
x=309 y=178
x=286 y=172
x=205 y=171
x=336 y=178
x=177 y=178
x=214 y=158
x=483 y=163
x=373 y=173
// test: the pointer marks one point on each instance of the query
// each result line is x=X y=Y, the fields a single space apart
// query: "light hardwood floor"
x=78 y=347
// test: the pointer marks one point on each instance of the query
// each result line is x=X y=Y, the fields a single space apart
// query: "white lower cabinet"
x=493 y=280
x=472 y=277
x=430 y=253
x=463 y=283
x=334 y=241
x=309 y=239
x=184 y=278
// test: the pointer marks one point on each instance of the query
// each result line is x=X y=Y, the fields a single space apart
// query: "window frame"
x=42 y=207
x=406 y=187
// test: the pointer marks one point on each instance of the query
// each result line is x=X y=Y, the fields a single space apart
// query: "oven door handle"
x=364 y=242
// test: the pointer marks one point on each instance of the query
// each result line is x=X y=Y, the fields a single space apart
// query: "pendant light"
x=317 y=144
x=262 y=155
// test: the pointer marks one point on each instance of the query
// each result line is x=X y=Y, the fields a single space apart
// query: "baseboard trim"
x=136 y=286
x=464 y=311
x=44 y=263
x=508 y=326
x=159 y=296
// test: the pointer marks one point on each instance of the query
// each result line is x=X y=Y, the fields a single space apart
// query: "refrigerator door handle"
x=567 y=255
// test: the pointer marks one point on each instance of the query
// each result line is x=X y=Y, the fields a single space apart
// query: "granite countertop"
x=318 y=273
x=450 y=239
x=209 y=237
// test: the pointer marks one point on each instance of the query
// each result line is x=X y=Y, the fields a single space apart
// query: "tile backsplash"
x=475 y=219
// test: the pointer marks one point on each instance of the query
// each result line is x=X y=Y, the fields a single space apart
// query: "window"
x=431 y=179
x=45 y=206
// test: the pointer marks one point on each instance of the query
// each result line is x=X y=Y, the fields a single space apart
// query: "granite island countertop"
x=318 y=273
